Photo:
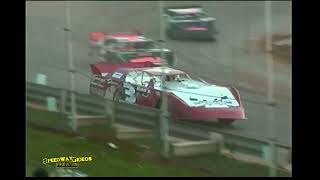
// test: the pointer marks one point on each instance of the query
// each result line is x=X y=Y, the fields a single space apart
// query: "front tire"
x=158 y=105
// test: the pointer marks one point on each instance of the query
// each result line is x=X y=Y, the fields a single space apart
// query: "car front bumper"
x=207 y=114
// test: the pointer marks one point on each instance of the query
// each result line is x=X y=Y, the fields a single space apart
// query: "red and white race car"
x=122 y=47
x=189 y=98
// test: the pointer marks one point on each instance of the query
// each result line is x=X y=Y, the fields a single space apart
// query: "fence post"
x=157 y=126
x=218 y=141
x=290 y=156
x=164 y=129
x=63 y=97
x=109 y=113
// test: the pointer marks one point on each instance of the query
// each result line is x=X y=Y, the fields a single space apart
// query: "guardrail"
x=144 y=116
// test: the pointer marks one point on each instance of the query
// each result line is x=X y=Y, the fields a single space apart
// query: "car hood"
x=198 y=94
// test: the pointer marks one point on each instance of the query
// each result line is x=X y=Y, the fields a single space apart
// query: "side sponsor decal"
x=117 y=75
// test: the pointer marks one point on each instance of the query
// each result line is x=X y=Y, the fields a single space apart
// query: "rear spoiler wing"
x=98 y=35
x=105 y=68
x=134 y=32
x=166 y=9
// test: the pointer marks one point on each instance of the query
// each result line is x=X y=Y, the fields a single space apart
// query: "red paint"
x=193 y=28
x=96 y=36
x=148 y=99
x=130 y=37
x=147 y=59
x=108 y=68
x=199 y=113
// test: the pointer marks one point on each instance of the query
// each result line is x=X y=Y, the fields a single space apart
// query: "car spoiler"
x=98 y=35
x=166 y=9
x=133 y=33
x=105 y=68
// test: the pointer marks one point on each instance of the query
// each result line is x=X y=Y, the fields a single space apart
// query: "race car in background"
x=122 y=47
x=189 y=22
x=189 y=98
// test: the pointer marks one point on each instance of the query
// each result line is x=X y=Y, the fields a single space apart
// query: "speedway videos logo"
x=67 y=161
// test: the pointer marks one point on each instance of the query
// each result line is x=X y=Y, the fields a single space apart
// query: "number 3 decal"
x=130 y=93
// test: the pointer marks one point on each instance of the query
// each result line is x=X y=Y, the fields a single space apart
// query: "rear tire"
x=117 y=95
x=171 y=59
x=158 y=105
x=212 y=39
x=170 y=34
x=225 y=122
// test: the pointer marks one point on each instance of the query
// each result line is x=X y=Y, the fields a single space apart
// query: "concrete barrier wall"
x=189 y=148
x=127 y=132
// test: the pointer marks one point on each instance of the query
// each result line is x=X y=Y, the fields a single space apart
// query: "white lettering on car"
x=117 y=75
x=130 y=93
x=141 y=88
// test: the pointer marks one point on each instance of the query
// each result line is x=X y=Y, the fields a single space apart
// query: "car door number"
x=130 y=93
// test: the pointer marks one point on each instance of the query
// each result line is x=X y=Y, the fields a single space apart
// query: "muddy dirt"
x=281 y=54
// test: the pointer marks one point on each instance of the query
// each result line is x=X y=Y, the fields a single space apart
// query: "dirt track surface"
x=227 y=60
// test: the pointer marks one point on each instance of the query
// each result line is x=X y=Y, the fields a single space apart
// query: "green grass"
x=97 y=130
x=48 y=119
x=107 y=161
x=122 y=162
x=62 y=122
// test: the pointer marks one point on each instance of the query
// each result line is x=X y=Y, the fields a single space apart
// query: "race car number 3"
x=130 y=93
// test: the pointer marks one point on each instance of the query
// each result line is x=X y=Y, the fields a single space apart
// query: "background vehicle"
x=189 y=22
x=189 y=98
x=122 y=47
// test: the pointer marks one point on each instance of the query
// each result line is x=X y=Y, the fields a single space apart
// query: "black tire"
x=158 y=105
x=212 y=38
x=117 y=95
x=225 y=122
x=170 y=34
x=170 y=57
x=171 y=119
